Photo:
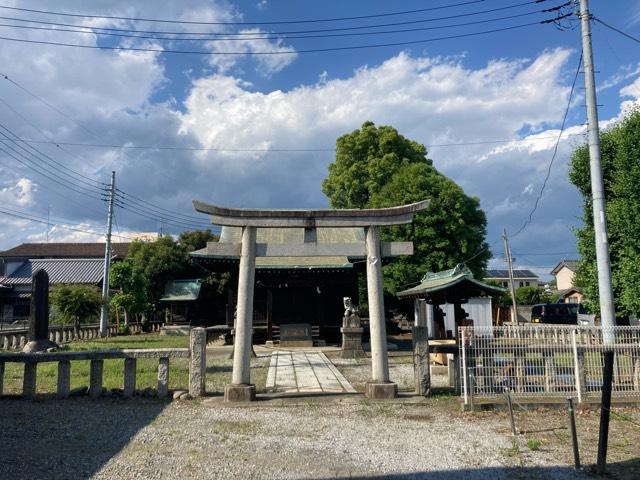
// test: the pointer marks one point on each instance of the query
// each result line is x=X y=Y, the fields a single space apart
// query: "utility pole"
x=607 y=309
x=104 y=312
x=512 y=287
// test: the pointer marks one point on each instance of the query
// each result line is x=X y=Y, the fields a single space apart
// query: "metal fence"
x=545 y=362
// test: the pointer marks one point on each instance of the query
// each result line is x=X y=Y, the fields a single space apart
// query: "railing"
x=197 y=367
x=546 y=362
x=17 y=338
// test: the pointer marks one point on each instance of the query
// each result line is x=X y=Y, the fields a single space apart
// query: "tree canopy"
x=620 y=149
x=377 y=167
x=76 y=303
x=196 y=239
x=142 y=276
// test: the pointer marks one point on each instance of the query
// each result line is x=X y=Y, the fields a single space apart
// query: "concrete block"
x=239 y=393
x=198 y=366
x=129 y=377
x=163 y=377
x=29 y=380
x=381 y=391
x=64 y=379
x=95 y=378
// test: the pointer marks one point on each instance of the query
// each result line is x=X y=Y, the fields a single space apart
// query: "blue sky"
x=505 y=87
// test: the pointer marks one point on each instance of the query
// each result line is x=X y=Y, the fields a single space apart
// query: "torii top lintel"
x=243 y=217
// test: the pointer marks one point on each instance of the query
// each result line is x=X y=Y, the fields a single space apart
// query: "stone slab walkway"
x=305 y=372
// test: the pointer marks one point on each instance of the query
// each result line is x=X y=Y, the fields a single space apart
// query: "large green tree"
x=377 y=167
x=620 y=147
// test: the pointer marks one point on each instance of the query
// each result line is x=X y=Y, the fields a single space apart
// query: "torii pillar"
x=241 y=389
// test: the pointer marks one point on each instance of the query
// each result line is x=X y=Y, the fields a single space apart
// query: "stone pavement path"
x=305 y=372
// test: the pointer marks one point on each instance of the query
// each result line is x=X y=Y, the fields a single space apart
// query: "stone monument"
x=351 y=331
x=39 y=315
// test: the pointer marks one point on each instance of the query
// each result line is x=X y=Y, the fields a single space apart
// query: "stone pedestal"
x=239 y=393
x=381 y=390
x=352 y=343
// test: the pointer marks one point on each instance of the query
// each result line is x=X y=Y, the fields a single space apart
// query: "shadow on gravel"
x=489 y=473
x=71 y=438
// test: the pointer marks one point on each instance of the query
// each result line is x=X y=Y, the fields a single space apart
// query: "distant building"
x=66 y=263
x=565 y=274
x=521 y=278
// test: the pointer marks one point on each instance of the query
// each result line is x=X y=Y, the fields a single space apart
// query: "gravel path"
x=108 y=439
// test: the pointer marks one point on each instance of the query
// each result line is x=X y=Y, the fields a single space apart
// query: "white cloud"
x=267 y=53
x=21 y=193
x=632 y=90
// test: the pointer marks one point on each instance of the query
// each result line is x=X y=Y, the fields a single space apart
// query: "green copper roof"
x=181 y=291
x=434 y=282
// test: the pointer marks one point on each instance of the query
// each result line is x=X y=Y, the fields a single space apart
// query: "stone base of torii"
x=380 y=386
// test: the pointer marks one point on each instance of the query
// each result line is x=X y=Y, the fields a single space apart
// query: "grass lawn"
x=218 y=367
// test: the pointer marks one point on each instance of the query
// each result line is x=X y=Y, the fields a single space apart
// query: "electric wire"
x=277 y=22
x=42 y=162
x=252 y=37
x=280 y=150
x=249 y=35
x=544 y=184
x=35 y=218
x=27 y=162
x=555 y=152
x=282 y=52
x=81 y=178
x=181 y=223
x=163 y=211
x=611 y=27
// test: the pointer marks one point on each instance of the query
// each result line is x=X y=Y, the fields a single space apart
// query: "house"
x=66 y=263
x=521 y=278
x=565 y=274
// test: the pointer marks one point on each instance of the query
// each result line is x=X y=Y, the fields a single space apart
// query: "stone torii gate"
x=241 y=388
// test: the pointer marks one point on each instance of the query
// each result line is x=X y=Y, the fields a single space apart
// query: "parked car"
x=555 y=313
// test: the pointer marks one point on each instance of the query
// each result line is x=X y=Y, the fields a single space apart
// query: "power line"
x=57 y=110
x=281 y=52
x=27 y=162
x=146 y=212
x=123 y=196
x=92 y=181
x=279 y=36
x=277 y=22
x=555 y=152
x=249 y=35
x=629 y=36
x=34 y=218
x=544 y=184
x=278 y=150
x=43 y=161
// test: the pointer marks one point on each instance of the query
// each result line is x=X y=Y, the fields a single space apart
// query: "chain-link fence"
x=545 y=361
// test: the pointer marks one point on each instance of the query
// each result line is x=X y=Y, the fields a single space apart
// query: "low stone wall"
x=16 y=339
x=197 y=368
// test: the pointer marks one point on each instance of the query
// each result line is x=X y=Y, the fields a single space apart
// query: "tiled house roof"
x=64 y=250
x=85 y=270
